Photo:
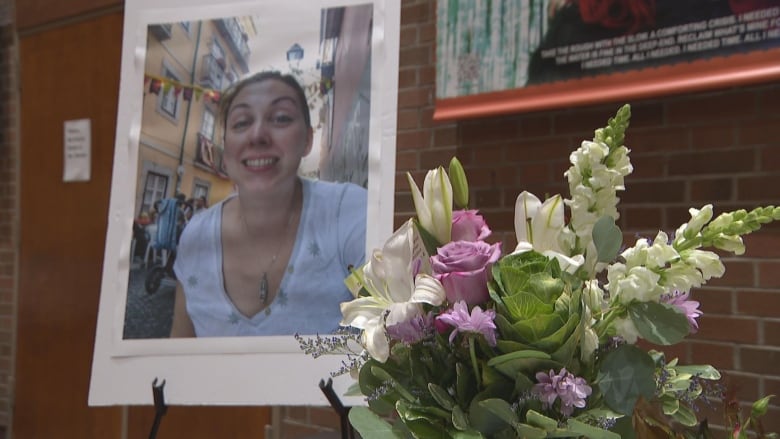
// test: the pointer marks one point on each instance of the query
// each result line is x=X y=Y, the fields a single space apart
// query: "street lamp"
x=295 y=52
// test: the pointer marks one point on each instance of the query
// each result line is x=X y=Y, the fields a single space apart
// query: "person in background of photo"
x=270 y=259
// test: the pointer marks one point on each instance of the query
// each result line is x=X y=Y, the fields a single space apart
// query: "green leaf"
x=368 y=424
x=464 y=384
x=526 y=431
x=422 y=429
x=670 y=405
x=429 y=241
x=491 y=415
x=608 y=238
x=590 y=431
x=659 y=323
x=704 y=371
x=685 y=416
x=441 y=396
x=537 y=419
x=469 y=434
x=626 y=374
x=459 y=419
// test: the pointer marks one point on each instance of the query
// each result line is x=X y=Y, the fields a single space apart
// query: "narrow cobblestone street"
x=148 y=315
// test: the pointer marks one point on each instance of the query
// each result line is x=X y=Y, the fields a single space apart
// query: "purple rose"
x=468 y=225
x=462 y=267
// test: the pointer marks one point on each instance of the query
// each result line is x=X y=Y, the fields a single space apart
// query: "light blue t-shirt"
x=330 y=239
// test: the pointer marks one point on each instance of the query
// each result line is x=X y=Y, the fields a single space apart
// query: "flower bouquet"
x=459 y=339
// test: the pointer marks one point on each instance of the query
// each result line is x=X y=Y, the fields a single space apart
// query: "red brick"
x=738 y=330
x=760 y=131
x=583 y=121
x=719 y=355
x=487 y=199
x=408 y=36
x=407 y=77
x=533 y=173
x=710 y=107
x=413 y=140
x=415 y=56
x=739 y=273
x=758 y=303
x=427 y=32
x=439 y=157
x=769 y=275
x=640 y=219
x=770 y=158
x=535 y=126
x=445 y=136
x=486 y=131
x=713 y=136
x=759 y=189
x=653 y=192
x=772 y=333
x=415 y=13
x=408 y=119
x=714 y=301
x=712 y=162
x=760 y=360
x=427 y=75
x=406 y=161
x=413 y=98
x=711 y=190
x=526 y=151
x=655 y=140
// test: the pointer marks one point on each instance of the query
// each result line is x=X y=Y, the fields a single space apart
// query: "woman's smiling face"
x=266 y=135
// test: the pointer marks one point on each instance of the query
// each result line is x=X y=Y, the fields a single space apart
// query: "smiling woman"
x=270 y=259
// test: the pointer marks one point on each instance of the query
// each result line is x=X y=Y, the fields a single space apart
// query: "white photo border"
x=224 y=370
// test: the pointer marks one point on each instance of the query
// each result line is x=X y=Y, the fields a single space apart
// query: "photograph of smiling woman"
x=272 y=134
x=270 y=259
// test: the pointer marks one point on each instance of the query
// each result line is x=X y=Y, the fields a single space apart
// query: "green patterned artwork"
x=485 y=46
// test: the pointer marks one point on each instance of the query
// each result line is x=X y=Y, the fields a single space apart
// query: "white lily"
x=395 y=295
x=538 y=227
x=434 y=204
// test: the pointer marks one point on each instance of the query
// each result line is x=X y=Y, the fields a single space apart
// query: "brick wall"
x=8 y=206
x=720 y=147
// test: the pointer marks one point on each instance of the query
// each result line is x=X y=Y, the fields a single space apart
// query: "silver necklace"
x=264 y=281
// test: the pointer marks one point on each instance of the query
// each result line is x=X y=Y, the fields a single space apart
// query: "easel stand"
x=347 y=432
x=346 y=428
x=159 y=406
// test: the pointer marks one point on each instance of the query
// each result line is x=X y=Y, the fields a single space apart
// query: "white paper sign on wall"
x=77 y=150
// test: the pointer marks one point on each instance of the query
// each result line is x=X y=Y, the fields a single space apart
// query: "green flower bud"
x=759 y=407
x=460 y=185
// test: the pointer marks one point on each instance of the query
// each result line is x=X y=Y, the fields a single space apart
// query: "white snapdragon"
x=637 y=283
x=707 y=262
x=593 y=295
x=596 y=174
x=699 y=217
x=626 y=329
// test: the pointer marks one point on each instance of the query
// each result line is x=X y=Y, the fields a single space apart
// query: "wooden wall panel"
x=35 y=13
x=66 y=73
x=70 y=72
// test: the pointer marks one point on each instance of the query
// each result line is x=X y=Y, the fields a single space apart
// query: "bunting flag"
x=159 y=83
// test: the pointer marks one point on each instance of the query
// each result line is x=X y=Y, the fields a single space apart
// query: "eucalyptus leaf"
x=530 y=432
x=422 y=429
x=704 y=371
x=626 y=374
x=670 y=405
x=368 y=424
x=659 y=323
x=607 y=238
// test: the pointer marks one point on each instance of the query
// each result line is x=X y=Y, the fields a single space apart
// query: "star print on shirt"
x=282 y=298
x=192 y=281
x=233 y=319
x=314 y=249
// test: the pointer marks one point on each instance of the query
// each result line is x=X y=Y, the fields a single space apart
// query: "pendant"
x=264 y=289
